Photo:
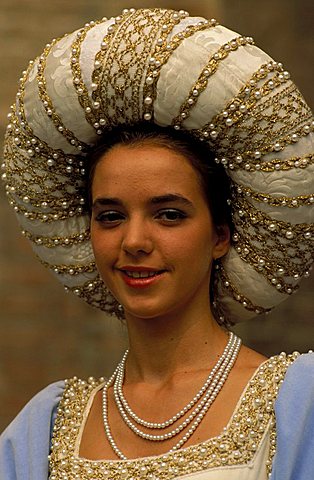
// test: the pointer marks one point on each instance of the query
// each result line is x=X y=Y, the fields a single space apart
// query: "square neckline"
x=238 y=445
x=162 y=455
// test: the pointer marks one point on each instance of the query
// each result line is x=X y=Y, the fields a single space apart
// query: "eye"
x=171 y=215
x=110 y=218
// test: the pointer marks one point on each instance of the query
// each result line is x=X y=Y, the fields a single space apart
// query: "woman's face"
x=151 y=230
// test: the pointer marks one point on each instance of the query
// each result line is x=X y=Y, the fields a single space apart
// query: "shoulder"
x=24 y=445
x=295 y=401
x=39 y=408
x=299 y=378
x=302 y=364
x=294 y=412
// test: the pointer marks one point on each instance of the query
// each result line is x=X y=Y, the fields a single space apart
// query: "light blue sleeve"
x=294 y=408
x=25 y=444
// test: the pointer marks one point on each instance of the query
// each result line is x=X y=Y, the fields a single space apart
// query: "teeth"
x=140 y=274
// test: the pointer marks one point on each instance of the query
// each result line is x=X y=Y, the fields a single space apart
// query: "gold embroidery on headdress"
x=249 y=135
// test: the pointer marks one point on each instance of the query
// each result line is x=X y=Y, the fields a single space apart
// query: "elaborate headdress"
x=171 y=69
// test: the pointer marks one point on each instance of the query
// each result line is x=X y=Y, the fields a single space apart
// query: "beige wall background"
x=45 y=334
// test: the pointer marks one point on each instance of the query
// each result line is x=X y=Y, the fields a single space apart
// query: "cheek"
x=103 y=246
x=95 y=239
x=189 y=247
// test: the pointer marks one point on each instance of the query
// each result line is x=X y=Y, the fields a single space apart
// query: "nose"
x=137 y=238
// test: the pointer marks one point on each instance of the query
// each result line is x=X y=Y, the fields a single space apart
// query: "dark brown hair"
x=212 y=176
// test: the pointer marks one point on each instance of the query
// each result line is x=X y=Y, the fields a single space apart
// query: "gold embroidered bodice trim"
x=236 y=445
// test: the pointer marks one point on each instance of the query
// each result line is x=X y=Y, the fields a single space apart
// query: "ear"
x=222 y=244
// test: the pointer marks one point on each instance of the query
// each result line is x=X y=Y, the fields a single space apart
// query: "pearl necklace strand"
x=120 y=399
x=212 y=386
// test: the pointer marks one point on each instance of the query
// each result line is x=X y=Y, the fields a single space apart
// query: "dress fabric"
x=251 y=447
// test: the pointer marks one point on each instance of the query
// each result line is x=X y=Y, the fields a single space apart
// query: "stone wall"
x=45 y=334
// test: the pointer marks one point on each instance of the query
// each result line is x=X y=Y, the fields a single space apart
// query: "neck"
x=161 y=347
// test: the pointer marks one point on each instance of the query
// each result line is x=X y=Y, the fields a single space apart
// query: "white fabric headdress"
x=171 y=69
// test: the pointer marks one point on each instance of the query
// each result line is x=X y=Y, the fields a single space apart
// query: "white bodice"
x=243 y=451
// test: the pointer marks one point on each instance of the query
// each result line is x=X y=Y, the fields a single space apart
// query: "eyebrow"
x=107 y=201
x=171 y=198
x=159 y=199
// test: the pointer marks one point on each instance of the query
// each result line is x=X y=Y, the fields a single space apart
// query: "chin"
x=142 y=313
x=145 y=312
x=153 y=309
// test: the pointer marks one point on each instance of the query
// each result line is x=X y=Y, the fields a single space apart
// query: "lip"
x=133 y=268
x=140 y=282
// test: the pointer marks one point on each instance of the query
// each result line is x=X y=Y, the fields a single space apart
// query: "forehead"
x=145 y=167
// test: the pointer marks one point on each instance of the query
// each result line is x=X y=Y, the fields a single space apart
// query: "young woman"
x=180 y=225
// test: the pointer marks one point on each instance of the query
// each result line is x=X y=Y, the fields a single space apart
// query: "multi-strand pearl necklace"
x=201 y=402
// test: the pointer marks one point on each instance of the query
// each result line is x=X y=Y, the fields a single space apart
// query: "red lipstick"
x=140 y=277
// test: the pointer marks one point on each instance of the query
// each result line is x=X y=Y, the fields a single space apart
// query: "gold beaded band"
x=51 y=242
x=47 y=102
x=71 y=269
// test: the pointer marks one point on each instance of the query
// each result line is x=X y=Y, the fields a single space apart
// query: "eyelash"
x=172 y=211
x=106 y=217
x=112 y=218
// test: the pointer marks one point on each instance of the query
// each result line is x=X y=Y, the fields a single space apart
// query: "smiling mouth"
x=142 y=274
